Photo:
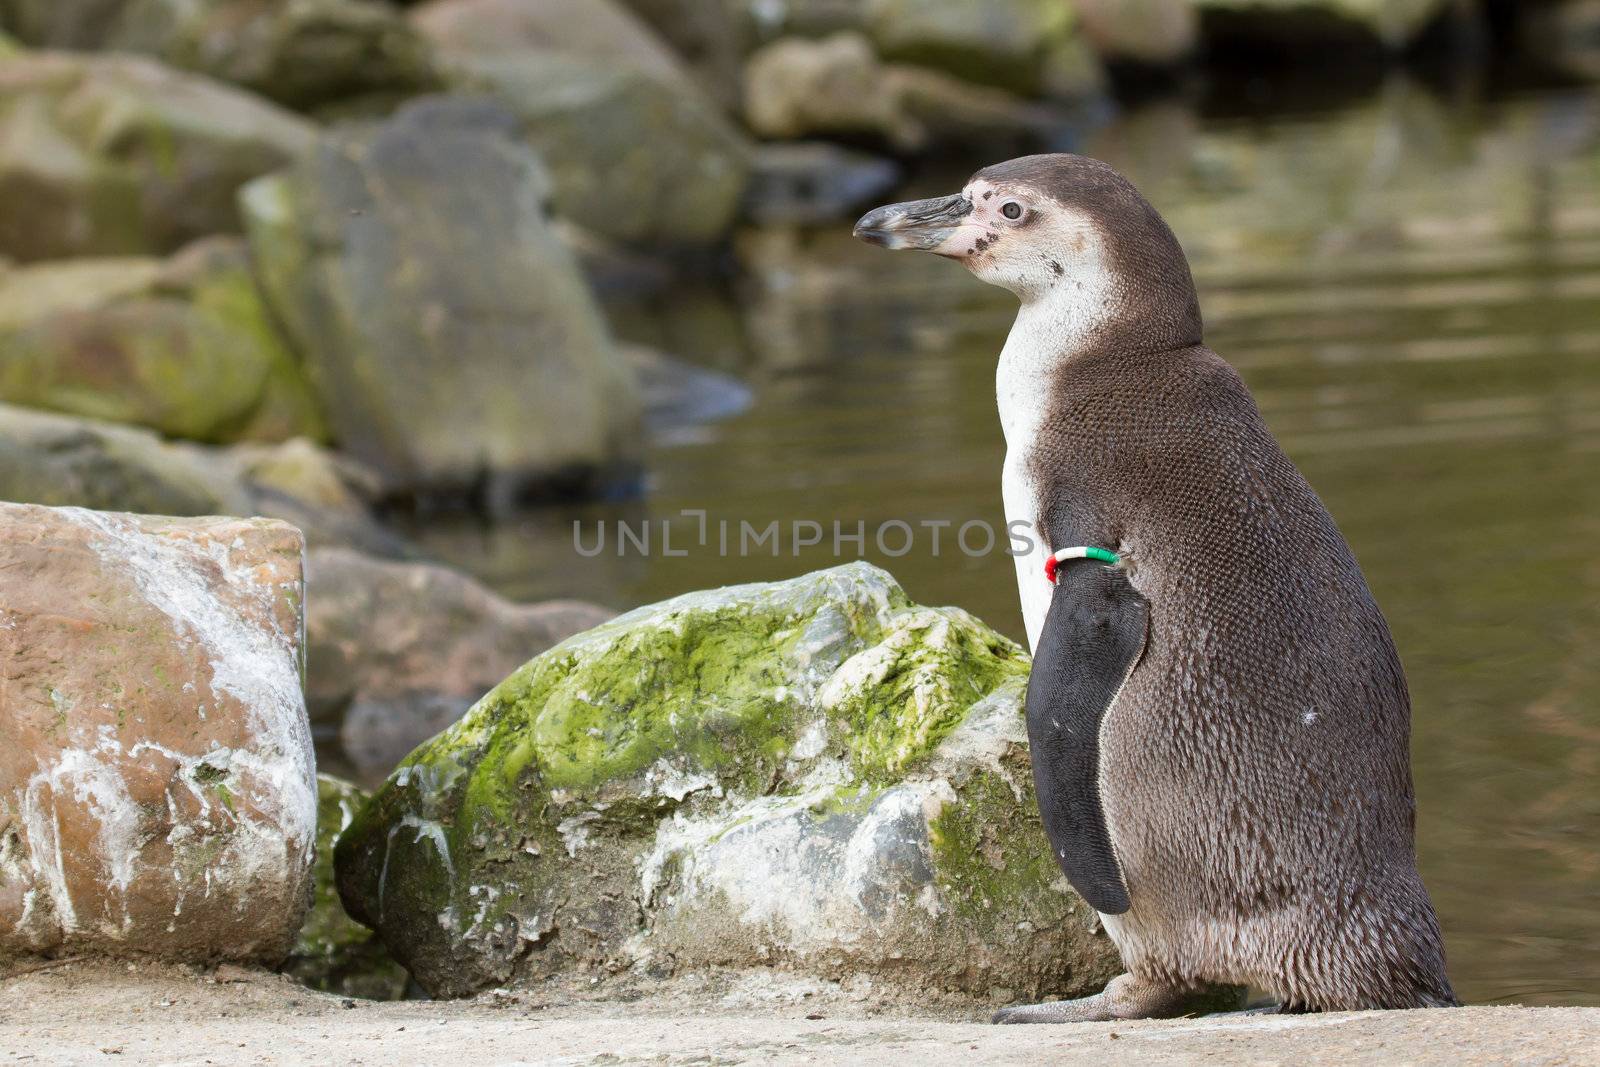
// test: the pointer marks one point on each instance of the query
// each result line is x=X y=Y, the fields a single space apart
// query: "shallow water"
x=1412 y=289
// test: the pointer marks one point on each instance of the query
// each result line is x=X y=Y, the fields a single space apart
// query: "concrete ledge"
x=81 y=1012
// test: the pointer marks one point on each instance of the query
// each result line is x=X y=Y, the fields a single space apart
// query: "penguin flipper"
x=1092 y=639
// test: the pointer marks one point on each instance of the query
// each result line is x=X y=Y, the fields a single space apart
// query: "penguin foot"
x=1124 y=997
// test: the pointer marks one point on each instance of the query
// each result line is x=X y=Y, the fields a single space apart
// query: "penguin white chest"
x=1022 y=392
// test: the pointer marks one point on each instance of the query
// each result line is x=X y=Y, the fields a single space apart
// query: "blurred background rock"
x=433 y=281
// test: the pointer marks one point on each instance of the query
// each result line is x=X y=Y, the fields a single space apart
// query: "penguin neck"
x=1051 y=331
x=1078 y=317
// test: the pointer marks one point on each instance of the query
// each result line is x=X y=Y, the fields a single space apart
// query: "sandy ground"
x=110 y=1013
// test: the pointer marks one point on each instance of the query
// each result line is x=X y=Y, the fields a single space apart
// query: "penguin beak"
x=919 y=224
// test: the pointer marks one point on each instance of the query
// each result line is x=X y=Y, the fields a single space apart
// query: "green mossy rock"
x=816 y=774
x=184 y=346
x=447 y=330
x=838 y=87
x=301 y=53
x=334 y=953
x=1014 y=44
x=117 y=155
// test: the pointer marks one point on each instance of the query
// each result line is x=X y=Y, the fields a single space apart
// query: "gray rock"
x=183 y=346
x=1027 y=46
x=815 y=776
x=118 y=154
x=62 y=461
x=1152 y=32
x=711 y=39
x=302 y=54
x=837 y=86
x=637 y=153
x=396 y=652
x=448 y=331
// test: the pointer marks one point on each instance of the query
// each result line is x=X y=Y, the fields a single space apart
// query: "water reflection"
x=1413 y=291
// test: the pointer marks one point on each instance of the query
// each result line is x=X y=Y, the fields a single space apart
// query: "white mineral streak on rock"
x=435 y=835
x=258 y=668
x=807 y=882
x=137 y=799
x=664 y=779
x=992 y=728
x=811 y=742
x=810 y=870
x=574 y=830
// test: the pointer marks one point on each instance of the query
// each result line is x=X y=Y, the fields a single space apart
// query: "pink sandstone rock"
x=157 y=786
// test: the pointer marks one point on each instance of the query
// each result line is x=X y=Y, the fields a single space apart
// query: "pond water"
x=1412 y=288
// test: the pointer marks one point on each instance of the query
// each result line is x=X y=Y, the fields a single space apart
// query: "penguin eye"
x=1011 y=210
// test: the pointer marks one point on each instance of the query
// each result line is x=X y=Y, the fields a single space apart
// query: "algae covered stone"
x=183 y=346
x=838 y=87
x=816 y=775
x=397 y=651
x=1009 y=43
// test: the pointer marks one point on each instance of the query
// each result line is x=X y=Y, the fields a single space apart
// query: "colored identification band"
x=1080 y=552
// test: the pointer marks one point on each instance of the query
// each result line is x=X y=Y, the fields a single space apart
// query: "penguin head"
x=1061 y=229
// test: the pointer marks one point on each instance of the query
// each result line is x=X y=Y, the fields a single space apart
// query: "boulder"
x=1154 y=33
x=303 y=54
x=711 y=40
x=183 y=346
x=118 y=154
x=399 y=651
x=157 y=790
x=1027 y=46
x=333 y=952
x=63 y=461
x=837 y=86
x=449 y=333
x=814 y=775
x=637 y=153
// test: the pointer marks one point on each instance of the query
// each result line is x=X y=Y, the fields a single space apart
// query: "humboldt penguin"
x=1217 y=717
